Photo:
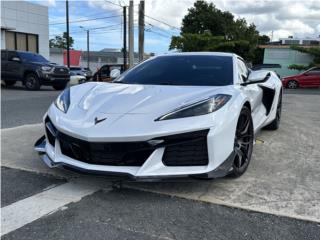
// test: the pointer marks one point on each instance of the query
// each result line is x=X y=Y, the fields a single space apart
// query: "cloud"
x=294 y=17
x=280 y=17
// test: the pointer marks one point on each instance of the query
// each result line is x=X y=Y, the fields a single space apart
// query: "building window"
x=21 y=41
x=10 y=41
x=32 y=43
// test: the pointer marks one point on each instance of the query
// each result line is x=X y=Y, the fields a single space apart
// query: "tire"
x=243 y=143
x=9 y=83
x=59 y=86
x=292 y=84
x=274 y=125
x=31 y=82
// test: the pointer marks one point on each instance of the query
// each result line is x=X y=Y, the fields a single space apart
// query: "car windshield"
x=191 y=70
x=32 y=57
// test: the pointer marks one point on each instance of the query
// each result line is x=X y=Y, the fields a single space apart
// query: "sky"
x=274 y=18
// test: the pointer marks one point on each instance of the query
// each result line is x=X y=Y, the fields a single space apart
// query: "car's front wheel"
x=293 y=84
x=31 y=82
x=243 y=143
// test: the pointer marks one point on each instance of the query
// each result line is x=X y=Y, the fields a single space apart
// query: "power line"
x=161 y=29
x=115 y=4
x=160 y=34
x=86 y=20
x=90 y=29
x=87 y=16
x=160 y=21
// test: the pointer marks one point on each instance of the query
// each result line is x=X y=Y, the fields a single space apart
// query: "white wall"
x=56 y=58
x=27 y=17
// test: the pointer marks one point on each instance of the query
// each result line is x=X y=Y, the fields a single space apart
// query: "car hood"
x=112 y=98
x=46 y=64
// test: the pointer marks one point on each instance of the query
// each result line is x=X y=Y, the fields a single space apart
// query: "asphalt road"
x=131 y=214
x=124 y=213
x=19 y=106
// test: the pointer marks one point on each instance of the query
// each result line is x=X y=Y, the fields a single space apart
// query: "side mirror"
x=15 y=59
x=115 y=73
x=257 y=77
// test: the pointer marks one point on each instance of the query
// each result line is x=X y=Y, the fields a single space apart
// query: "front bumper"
x=53 y=78
x=40 y=147
x=199 y=153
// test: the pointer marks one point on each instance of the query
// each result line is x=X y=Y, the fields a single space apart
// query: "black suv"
x=32 y=69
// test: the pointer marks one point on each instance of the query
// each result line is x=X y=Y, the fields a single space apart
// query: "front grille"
x=113 y=154
x=186 y=149
x=61 y=70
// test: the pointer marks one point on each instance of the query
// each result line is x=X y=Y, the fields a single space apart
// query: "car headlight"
x=63 y=101
x=202 y=107
x=46 y=68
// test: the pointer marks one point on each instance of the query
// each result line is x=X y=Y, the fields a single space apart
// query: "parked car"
x=104 y=73
x=76 y=79
x=33 y=70
x=86 y=72
x=267 y=66
x=309 y=78
x=176 y=115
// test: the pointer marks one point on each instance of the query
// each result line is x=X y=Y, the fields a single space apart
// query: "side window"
x=12 y=55
x=242 y=70
x=105 y=71
x=315 y=71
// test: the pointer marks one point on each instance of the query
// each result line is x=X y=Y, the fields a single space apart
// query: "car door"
x=312 y=78
x=254 y=92
x=14 y=65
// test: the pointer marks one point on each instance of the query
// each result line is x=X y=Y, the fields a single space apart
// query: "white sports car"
x=176 y=115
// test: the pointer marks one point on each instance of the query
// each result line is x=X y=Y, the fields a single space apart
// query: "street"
x=38 y=202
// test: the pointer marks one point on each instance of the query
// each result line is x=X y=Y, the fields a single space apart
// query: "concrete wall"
x=285 y=57
x=26 y=17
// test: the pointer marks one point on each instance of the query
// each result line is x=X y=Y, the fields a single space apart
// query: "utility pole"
x=88 y=44
x=141 y=30
x=131 y=36
x=124 y=38
x=68 y=44
x=88 y=50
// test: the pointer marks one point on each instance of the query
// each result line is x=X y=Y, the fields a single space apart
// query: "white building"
x=25 y=27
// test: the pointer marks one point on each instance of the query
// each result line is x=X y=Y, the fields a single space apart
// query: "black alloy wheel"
x=292 y=84
x=31 y=82
x=243 y=143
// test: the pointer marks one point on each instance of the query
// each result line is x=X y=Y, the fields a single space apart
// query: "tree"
x=206 y=28
x=313 y=51
x=61 y=42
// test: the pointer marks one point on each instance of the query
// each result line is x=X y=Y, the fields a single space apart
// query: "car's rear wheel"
x=293 y=84
x=274 y=125
x=9 y=83
x=59 y=86
x=243 y=143
x=31 y=82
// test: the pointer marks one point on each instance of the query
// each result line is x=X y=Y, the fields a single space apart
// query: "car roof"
x=201 y=54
